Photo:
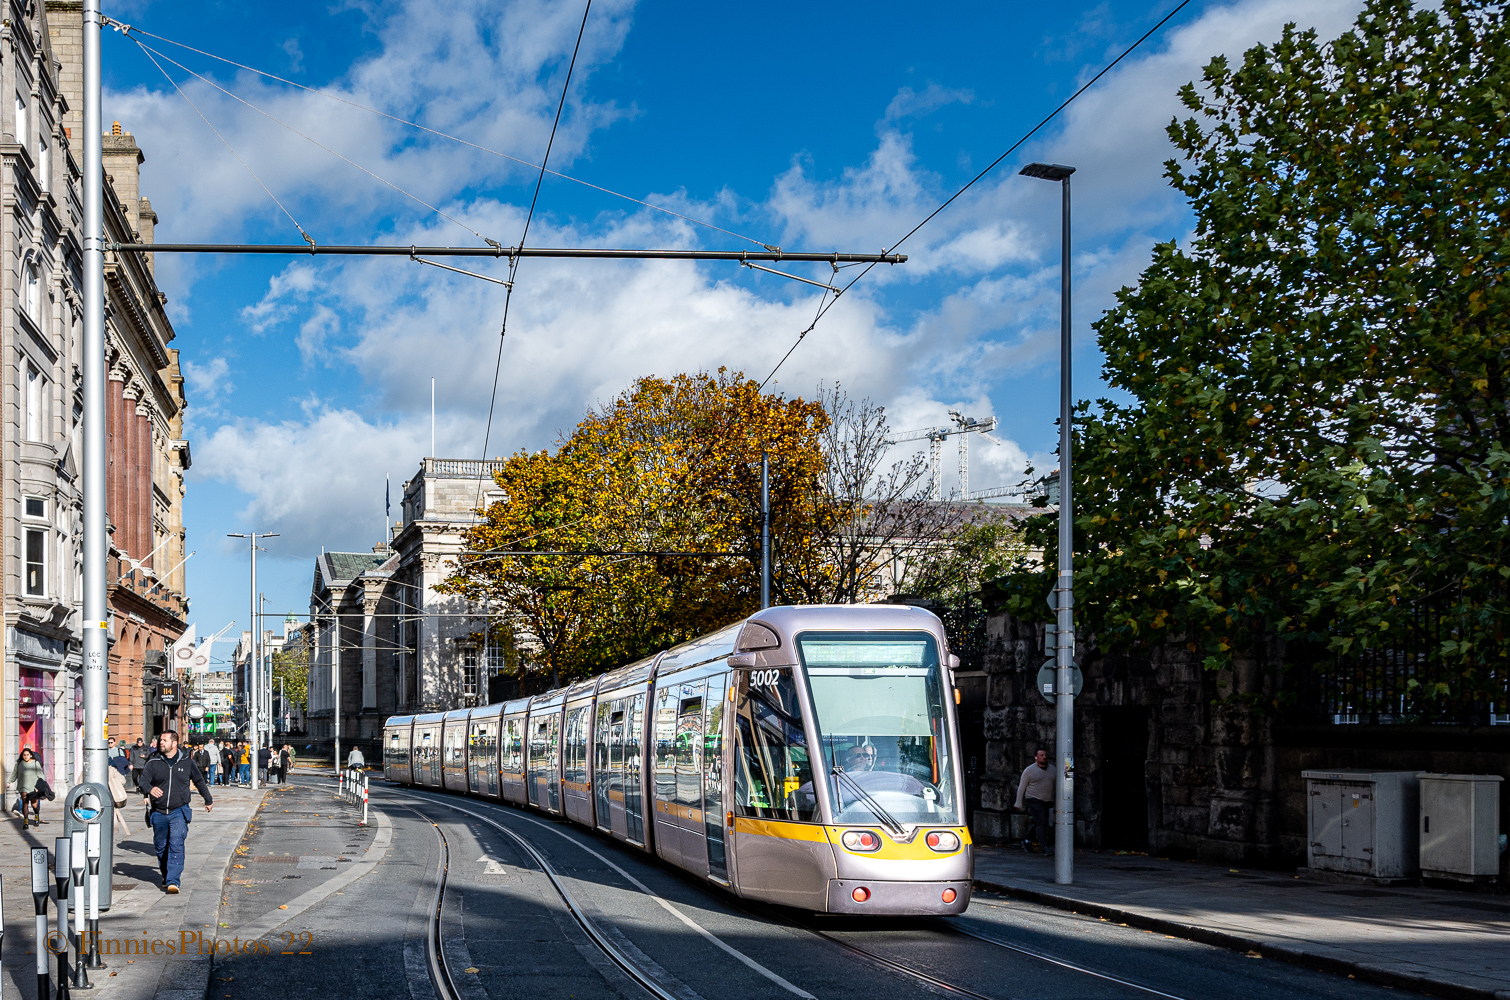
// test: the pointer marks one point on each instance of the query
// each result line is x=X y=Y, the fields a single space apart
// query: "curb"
x=1362 y=971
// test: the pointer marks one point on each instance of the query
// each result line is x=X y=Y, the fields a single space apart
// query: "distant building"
x=379 y=625
x=294 y=635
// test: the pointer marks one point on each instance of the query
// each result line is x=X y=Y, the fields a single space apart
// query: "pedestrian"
x=264 y=757
x=31 y=786
x=166 y=782
x=227 y=763
x=136 y=756
x=293 y=755
x=285 y=761
x=202 y=760
x=245 y=770
x=1035 y=792
x=212 y=755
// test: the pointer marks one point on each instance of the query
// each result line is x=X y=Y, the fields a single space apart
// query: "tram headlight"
x=863 y=841
x=942 y=841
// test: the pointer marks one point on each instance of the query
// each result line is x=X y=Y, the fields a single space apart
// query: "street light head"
x=1047 y=171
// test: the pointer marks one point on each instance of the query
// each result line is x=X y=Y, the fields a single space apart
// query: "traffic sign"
x=1046 y=681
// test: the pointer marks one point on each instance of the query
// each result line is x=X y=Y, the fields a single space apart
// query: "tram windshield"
x=883 y=726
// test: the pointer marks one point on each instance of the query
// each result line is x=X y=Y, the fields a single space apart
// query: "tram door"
x=689 y=775
x=634 y=756
x=713 y=776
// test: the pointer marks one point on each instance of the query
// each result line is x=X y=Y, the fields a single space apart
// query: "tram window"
x=881 y=712
x=773 y=773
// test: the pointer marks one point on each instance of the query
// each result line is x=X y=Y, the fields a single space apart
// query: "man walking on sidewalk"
x=165 y=781
x=1035 y=792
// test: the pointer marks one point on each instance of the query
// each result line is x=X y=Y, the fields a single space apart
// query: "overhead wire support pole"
x=511 y=253
x=96 y=615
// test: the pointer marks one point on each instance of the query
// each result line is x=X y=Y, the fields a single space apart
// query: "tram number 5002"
x=765 y=678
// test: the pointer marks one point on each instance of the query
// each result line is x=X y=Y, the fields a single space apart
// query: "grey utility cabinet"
x=1363 y=822
x=1460 y=825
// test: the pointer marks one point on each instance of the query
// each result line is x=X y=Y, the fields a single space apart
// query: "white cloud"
x=911 y=103
x=207 y=379
x=976 y=305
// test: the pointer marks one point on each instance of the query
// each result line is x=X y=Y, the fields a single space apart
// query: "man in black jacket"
x=165 y=781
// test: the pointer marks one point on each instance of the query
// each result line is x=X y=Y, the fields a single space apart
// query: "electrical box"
x=1460 y=828
x=1363 y=822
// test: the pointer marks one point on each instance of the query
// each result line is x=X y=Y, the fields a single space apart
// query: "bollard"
x=364 y=800
x=61 y=876
x=77 y=863
x=96 y=959
x=39 y=903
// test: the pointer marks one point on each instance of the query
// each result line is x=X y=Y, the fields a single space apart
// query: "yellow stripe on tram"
x=780 y=829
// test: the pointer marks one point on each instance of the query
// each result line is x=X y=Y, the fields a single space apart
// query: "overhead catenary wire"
x=989 y=167
x=150 y=52
x=508 y=297
x=129 y=30
x=307 y=238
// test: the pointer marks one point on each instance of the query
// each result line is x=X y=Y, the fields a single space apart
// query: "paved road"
x=506 y=931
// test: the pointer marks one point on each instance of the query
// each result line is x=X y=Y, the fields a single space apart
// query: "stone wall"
x=1186 y=762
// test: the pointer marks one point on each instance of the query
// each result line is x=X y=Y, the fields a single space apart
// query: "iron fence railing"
x=1409 y=680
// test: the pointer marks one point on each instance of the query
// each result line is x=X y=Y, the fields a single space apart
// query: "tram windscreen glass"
x=773 y=772
x=880 y=705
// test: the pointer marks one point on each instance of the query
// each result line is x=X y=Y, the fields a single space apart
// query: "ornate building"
x=379 y=625
x=41 y=329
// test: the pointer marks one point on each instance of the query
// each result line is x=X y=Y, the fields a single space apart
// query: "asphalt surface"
x=506 y=932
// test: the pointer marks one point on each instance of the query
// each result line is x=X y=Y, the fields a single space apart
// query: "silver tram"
x=806 y=756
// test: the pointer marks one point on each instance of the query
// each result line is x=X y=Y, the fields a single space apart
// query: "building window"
x=36 y=562
x=32 y=279
x=469 y=679
x=34 y=396
x=23 y=132
x=44 y=165
x=36 y=507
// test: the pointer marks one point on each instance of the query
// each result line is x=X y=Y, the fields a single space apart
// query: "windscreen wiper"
x=886 y=818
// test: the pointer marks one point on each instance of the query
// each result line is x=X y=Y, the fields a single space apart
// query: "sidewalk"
x=1449 y=944
x=140 y=907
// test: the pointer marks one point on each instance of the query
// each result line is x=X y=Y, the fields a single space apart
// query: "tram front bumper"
x=846 y=895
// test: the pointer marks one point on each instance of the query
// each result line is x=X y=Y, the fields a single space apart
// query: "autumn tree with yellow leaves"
x=642 y=529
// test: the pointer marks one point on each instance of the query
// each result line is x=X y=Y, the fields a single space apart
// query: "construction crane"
x=963 y=427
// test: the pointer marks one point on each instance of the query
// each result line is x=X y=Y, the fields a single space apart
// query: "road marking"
x=272 y=921
x=678 y=914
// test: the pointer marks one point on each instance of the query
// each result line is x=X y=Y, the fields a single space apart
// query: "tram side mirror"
x=755 y=636
x=953 y=661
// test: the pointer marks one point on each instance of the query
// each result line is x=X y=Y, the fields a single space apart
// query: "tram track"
x=772 y=914
x=435 y=956
x=445 y=987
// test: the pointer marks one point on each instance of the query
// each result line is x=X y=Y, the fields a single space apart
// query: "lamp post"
x=1064 y=589
x=253 y=666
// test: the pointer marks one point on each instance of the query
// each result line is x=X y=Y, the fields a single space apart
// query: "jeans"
x=168 y=832
x=210 y=777
x=1038 y=816
x=245 y=777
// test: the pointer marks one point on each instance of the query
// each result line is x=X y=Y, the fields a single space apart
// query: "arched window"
x=32 y=282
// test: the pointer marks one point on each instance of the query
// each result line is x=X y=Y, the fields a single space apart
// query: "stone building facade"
x=41 y=329
x=1182 y=761
x=380 y=628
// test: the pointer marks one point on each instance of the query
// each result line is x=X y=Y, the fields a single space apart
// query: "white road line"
x=269 y=922
x=678 y=914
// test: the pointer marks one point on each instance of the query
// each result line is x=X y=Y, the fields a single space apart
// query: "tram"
x=806 y=756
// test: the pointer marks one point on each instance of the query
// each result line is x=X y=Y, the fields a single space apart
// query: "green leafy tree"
x=1317 y=441
x=291 y=667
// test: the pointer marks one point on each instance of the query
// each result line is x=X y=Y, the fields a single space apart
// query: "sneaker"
x=1027 y=847
x=172 y=890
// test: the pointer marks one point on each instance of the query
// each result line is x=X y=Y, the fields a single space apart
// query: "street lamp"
x=252 y=665
x=1064 y=589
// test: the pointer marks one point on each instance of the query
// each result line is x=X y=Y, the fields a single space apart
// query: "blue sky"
x=804 y=127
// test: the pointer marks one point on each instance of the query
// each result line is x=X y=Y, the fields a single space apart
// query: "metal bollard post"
x=61 y=876
x=77 y=863
x=364 y=800
x=96 y=960
x=39 y=903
